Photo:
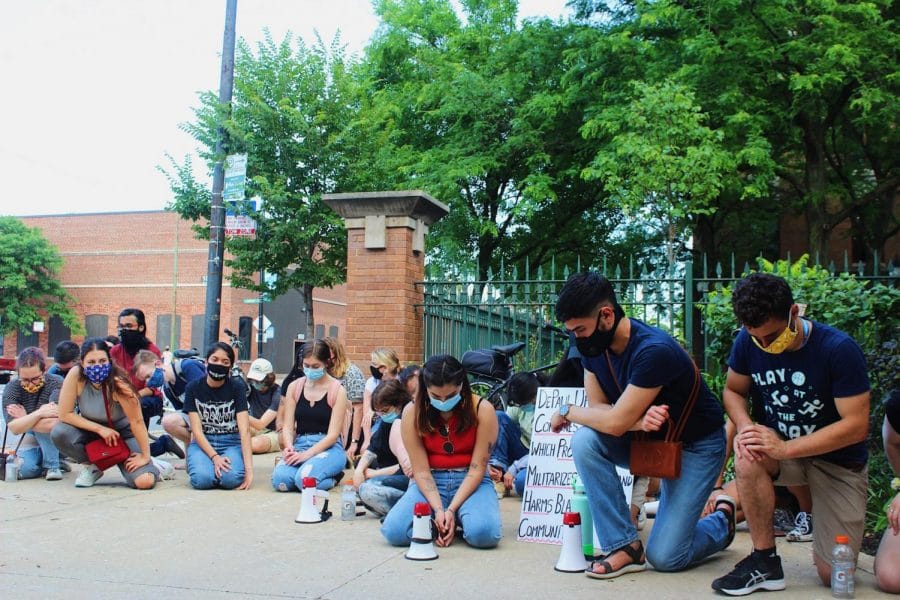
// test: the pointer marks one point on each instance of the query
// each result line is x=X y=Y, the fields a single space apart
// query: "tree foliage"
x=30 y=289
x=290 y=105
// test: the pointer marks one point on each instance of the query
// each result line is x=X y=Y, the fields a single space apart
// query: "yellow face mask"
x=782 y=342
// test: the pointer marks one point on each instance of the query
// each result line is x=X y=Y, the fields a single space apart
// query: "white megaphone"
x=309 y=512
x=571 y=557
x=421 y=546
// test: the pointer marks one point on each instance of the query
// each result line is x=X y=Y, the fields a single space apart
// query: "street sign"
x=237 y=223
x=252 y=300
x=266 y=323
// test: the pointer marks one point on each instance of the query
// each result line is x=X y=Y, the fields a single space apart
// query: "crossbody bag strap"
x=5 y=433
x=106 y=406
x=688 y=407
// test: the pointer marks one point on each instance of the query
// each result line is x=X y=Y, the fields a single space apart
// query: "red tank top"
x=463 y=444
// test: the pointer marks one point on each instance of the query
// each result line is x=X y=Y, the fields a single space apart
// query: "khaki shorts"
x=272 y=436
x=838 y=497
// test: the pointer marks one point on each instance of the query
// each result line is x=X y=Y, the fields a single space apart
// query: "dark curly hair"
x=582 y=293
x=760 y=297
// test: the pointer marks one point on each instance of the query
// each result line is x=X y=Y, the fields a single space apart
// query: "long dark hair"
x=438 y=371
x=117 y=382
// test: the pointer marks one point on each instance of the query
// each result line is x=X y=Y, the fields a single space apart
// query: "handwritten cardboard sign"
x=548 y=483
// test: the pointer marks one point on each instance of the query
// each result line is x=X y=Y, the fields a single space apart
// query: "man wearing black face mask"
x=635 y=378
x=132 y=339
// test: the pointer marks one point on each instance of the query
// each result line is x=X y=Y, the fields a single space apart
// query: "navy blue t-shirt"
x=797 y=389
x=652 y=359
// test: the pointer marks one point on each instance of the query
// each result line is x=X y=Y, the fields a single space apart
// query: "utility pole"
x=217 y=209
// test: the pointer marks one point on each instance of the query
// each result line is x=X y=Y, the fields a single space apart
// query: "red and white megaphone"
x=421 y=546
x=309 y=512
x=571 y=557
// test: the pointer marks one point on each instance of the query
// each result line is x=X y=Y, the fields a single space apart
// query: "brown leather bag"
x=660 y=458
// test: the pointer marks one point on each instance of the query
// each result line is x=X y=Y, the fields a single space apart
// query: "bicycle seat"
x=509 y=349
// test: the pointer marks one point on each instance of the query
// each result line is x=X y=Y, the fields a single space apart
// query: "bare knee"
x=145 y=481
x=260 y=444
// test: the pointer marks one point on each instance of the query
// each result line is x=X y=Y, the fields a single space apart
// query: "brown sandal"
x=637 y=563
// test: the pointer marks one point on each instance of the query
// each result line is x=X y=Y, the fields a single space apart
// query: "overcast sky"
x=94 y=90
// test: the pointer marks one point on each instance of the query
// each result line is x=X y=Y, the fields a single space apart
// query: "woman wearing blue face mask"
x=383 y=472
x=448 y=433
x=314 y=408
x=102 y=393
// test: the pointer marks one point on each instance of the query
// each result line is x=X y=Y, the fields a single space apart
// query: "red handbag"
x=102 y=455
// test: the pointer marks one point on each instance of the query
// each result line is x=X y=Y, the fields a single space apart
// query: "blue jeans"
x=519 y=482
x=479 y=515
x=200 y=467
x=679 y=537
x=509 y=446
x=327 y=467
x=381 y=493
x=36 y=460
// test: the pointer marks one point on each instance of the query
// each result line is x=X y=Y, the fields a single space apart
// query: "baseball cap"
x=259 y=368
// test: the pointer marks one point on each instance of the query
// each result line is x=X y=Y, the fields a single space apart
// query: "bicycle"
x=491 y=369
x=235 y=342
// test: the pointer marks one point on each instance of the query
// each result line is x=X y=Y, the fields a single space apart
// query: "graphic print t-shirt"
x=797 y=389
x=217 y=407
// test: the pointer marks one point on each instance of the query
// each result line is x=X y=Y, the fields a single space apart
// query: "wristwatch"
x=564 y=411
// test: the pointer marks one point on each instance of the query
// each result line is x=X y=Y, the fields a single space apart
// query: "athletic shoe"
x=783 y=521
x=64 y=466
x=166 y=470
x=641 y=519
x=88 y=476
x=803 y=528
x=53 y=475
x=171 y=445
x=752 y=574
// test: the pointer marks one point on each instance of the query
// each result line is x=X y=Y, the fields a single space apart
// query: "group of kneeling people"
x=808 y=425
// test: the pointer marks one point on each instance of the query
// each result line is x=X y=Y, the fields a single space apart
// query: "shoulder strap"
x=331 y=397
x=300 y=383
x=106 y=405
x=674 y=433
x=5 y=433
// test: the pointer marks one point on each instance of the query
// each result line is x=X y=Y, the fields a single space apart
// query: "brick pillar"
x=385 y=257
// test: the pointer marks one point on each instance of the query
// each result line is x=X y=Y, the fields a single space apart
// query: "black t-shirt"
x=217 y=407
x=259 y=402
x=892 y=409
x=312 y=419
x=651 y=359
x=381 y=446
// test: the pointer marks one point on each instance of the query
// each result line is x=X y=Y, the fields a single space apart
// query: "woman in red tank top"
x=448 y=433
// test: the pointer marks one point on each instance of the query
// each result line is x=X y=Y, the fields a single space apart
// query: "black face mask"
x=132 y=339
x=598 y=342
x=375 y=372
x=216 y=371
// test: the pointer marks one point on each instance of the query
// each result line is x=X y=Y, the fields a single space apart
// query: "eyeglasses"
x=448 y=443
x=32 y=380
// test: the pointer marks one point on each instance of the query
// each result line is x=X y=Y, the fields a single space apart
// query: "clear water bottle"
x=348 y=503
x=843 y=568
x=579 y=504
x=12 y=467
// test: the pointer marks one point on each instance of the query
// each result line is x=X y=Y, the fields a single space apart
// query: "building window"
x=97 y=325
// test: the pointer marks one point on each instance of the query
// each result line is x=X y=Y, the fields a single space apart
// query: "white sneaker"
x=53 y=475
x=88 y=476
x=166 y=470
x=803 y=528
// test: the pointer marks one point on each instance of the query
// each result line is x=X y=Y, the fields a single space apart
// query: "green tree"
x=472 y=108
x=290 y=107
x=30 y=289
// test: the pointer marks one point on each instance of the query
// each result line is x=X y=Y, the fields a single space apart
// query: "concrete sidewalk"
x=108 y=541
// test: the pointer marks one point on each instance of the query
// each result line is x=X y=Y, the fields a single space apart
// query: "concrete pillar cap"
x=407 y=203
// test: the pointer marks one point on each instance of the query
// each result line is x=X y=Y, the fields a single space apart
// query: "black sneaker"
x=171 y=445
x=752 y=574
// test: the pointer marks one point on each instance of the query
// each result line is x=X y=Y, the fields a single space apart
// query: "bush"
x=867 y=312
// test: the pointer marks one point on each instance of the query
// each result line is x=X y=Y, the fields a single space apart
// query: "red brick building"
x=152 y=261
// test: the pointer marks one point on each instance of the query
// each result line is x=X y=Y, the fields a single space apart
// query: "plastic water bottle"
x=843 y=568
x=348 y=503
x=12 y=468
x=580 y=505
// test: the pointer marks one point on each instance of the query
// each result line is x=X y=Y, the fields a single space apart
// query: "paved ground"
x=108 y=541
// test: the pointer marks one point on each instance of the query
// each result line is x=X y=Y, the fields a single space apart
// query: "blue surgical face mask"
x=157 y=379
x=389 y=417
x=445 y=405
x=527 y=408
x=314 y=374
x=258 y=385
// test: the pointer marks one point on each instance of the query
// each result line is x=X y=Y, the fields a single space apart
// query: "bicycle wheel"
x=492 y=391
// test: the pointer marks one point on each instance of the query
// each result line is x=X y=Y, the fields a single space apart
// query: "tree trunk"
x=307 y=311
x=815 y=202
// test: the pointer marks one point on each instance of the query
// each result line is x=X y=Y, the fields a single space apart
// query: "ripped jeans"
x=327 y=466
